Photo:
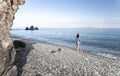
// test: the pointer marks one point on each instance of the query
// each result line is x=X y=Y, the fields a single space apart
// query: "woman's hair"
x=77 y=36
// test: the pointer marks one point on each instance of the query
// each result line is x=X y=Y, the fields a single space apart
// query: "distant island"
x=31 y=28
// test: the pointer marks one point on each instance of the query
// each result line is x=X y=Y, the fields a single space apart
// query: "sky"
x=69 y=14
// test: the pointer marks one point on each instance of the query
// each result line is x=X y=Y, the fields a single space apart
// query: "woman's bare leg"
x=77 y=48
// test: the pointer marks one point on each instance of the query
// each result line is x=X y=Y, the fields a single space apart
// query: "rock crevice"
x=8 y=8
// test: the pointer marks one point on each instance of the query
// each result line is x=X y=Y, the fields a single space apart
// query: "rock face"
x=8 y=8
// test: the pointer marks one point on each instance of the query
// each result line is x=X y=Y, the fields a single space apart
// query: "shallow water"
x=103 y=41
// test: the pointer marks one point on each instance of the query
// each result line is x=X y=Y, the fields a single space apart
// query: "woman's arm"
x=79 y=39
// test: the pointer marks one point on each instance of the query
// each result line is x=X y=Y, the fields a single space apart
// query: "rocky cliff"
x=8 y=9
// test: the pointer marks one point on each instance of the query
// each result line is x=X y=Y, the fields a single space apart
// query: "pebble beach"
x=44 y=59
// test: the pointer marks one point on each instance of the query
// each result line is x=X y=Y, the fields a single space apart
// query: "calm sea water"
x=101 y=41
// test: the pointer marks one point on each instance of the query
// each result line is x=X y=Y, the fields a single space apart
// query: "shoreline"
x=55 y=60
x=38 y=41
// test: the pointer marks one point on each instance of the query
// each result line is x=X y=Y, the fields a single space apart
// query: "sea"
x=103 y=41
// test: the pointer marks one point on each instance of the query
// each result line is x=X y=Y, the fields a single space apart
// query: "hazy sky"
x=69 y=13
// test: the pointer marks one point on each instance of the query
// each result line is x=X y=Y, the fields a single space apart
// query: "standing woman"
x=77 y=42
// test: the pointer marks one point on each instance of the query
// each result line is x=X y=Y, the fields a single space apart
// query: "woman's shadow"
x=22 y=50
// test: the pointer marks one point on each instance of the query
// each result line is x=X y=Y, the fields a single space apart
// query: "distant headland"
x=31 y=28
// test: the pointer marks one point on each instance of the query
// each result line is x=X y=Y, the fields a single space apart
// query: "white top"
x=77 y=40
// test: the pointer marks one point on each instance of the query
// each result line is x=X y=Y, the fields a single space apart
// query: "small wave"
x=107 y=55
x=102 y=45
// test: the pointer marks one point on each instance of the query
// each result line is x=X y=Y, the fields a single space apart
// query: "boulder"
x=26 y=28
x=8 y=8
x=32 y=27
x=36 y=28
